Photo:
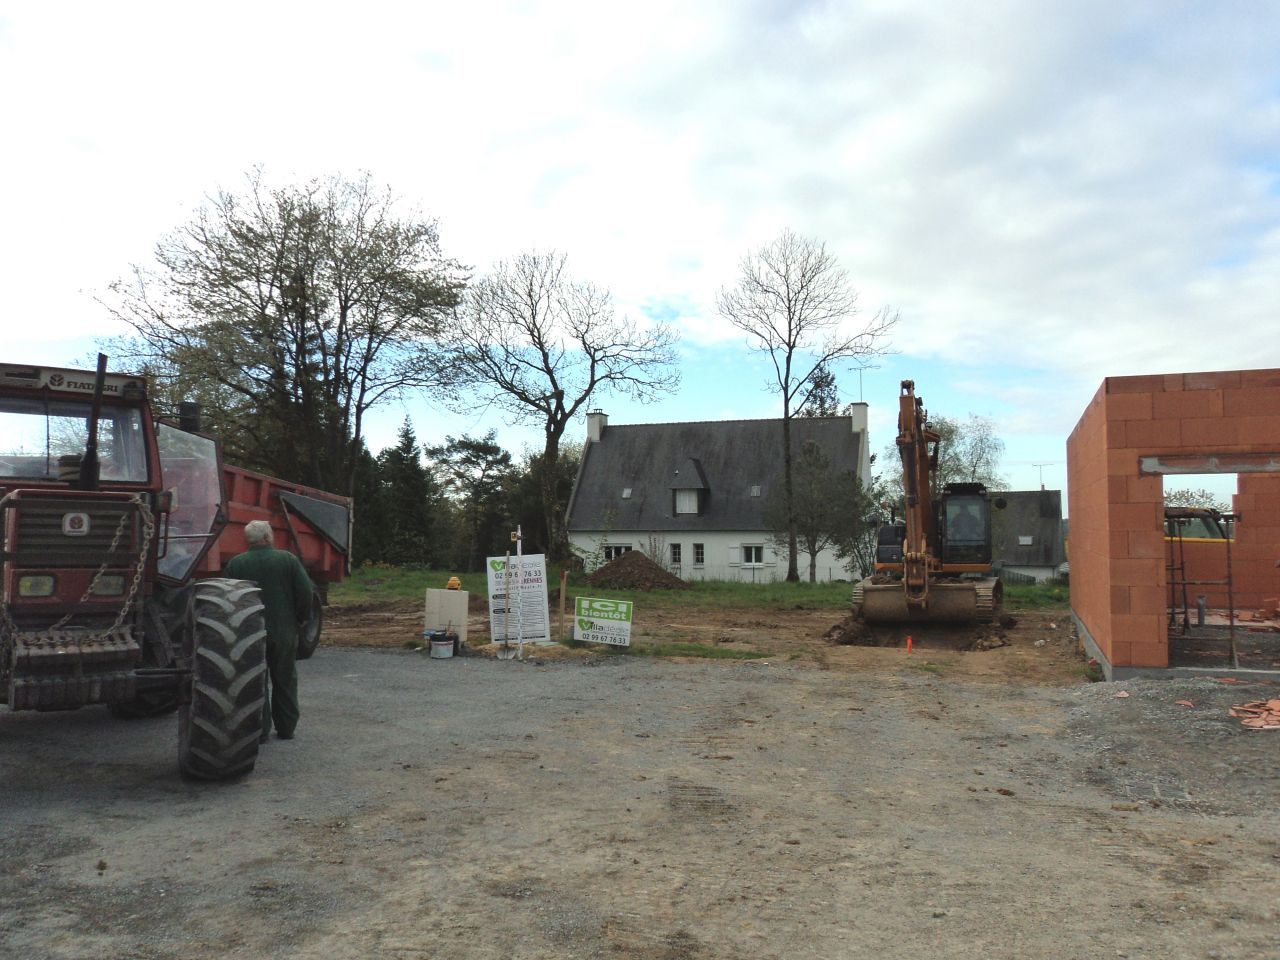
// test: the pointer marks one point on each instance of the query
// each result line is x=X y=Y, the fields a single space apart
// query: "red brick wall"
x=1257 y=547
x=1118 y=578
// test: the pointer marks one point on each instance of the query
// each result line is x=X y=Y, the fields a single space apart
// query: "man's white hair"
x=257 y=531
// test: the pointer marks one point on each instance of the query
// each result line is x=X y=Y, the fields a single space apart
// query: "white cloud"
x=1076 y=189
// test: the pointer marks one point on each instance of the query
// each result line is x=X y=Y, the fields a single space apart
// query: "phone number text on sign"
x=602 y=621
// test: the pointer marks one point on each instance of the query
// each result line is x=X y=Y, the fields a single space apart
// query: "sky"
x=1049 y=193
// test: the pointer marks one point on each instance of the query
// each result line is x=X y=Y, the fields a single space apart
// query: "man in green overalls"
x=286 y=595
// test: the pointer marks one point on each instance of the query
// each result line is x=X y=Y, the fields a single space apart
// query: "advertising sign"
x=518 y=599
x=602 y=621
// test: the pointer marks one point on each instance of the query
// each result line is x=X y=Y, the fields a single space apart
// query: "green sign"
x=602 y=621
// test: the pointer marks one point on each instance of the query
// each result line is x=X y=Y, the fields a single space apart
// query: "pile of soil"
x=635 y=571
x=951 y=636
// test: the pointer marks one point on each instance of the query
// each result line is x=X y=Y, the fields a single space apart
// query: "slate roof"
x=724 y=458
x=1029 y=513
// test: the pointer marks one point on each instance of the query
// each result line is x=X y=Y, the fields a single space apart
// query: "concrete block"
x=446 y=609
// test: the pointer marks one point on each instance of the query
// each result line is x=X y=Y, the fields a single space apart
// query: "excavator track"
x=952 y=601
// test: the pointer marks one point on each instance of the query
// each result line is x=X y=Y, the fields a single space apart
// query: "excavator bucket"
x=966 y=601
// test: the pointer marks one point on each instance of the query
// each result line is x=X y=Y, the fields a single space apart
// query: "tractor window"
x=189 y=464
x=46 y=439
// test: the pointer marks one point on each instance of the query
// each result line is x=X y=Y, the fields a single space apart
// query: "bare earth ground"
x=852 y=801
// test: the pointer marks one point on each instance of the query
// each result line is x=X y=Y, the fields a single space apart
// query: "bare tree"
x=969 y=451
x=795 y=303
x=536 y=343
x=289 y=313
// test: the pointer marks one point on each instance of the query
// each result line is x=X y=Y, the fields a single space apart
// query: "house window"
x=675 y=554
x=753 y=554
x=699 y=555
x=614 y=550
x=1026 y=541
x=626 y=493
x=755 y=489
x=686 y=501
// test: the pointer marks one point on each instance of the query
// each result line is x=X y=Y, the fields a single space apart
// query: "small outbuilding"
x=1136 y=432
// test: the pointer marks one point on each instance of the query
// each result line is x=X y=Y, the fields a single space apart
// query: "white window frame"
x=699 y=554
x=758 y=550
x=677 y=553
x=614 y=550
x=687 y=502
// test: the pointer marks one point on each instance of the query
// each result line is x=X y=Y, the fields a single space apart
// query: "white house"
x=693 y=493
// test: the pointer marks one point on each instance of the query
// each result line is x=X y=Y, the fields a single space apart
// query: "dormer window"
x=626 y=493
x=686 y=501
x=755 y=489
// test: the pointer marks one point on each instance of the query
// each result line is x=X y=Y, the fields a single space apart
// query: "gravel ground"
x=626 y=808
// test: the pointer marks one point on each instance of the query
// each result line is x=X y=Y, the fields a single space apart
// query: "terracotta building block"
x=1150 y=383
x=1187 y=403
x=1248 y=401
x=1137 y=516
x=1127 y=572
x=1218 y=380
x=1117 y=651
x=1120 y=599
x=1154 y=435
x=1129 y=406
x=1117 y=435
x=1261 y=432
x=1212 y=433
x=1146 y=488
x=1138 y=628
x=1260 y=378
x=1146 y=600
x=1122 y=463
x=1146 y=545
x=1117 y=541
x=1149 y=655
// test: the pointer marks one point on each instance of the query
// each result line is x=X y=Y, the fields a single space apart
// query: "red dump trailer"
x=310 y=523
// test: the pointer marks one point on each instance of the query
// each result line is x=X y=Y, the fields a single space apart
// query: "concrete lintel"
x=1177 y=463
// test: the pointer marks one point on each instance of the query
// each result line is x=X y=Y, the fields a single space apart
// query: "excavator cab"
x=965 y=523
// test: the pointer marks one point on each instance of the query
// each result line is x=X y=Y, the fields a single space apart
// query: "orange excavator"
x=934 y=565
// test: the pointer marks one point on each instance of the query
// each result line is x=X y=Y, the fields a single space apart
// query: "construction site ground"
x=823 y=800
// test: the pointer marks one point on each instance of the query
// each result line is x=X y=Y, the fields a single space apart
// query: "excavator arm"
x=918 y=449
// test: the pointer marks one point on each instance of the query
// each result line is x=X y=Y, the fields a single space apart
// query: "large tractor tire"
x=309 y=635
x=218 y=728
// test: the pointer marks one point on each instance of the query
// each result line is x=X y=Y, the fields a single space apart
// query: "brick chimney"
x=597 y=420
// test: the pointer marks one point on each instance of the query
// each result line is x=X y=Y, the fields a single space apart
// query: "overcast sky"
x=1050 y=193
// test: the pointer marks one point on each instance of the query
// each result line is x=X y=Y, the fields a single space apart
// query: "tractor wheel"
x=309 y=635
x=218 y=728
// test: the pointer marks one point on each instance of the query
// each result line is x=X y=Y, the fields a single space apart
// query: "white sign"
x=602 y=621
x=523 y=614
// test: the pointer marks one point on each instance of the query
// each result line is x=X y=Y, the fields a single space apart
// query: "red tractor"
x=115 y=525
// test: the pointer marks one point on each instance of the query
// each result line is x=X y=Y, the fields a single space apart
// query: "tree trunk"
x=557 y=546
x=793 y=570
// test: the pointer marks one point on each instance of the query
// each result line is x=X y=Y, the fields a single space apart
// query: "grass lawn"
x=380 y=583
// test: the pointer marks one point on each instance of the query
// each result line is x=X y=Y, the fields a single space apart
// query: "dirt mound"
x=853 y=632
x=635 y=571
